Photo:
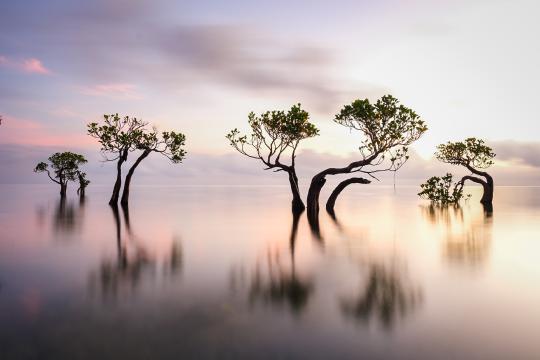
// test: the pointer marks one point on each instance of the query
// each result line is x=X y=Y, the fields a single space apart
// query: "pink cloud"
x=115 y=90
x=30 y=65
x=29 y=132
x=34 y=66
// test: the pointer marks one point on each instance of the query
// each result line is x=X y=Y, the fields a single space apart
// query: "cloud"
x=525 y=153
x=111 y=42
x=30 y=65
x=29 y=132
x=113 y=90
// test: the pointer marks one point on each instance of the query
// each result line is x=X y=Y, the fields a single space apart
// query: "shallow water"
x=222 y=272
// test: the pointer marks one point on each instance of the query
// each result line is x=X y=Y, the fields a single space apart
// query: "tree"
x=64 y=166
x=387 y=129
x=118 y=137
x=275 y=135
x=442 y=190
x=169 y=144
x=83 y=183
x=474 y=155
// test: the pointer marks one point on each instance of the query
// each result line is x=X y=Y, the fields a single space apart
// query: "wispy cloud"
x=112 y=90
x=29 y=65
x=30 y=132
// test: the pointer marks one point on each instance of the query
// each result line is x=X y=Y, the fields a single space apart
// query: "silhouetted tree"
x=442 y=190
x=83 y=183
x=474 y=155
x=65 y=167
x=169 y=144
x=275 y=134
x=117 y=136
x=387 y=128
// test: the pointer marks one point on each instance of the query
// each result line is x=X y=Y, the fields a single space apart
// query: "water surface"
x=228 y=272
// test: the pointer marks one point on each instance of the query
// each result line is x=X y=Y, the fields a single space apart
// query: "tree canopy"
x=387 y=129
x=471 y=152
x=117 y=135
x=273 y=133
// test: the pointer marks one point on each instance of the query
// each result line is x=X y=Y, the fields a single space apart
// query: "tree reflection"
x=273 y=282
x=385 y=296
x=467 y=234
x=133 y=261
x=67 y=216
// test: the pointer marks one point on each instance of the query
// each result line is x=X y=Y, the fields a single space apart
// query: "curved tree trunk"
x=314 y=191
x=297 y=203
x=118 y=184
x=127 y=183
x=487 y=197
x=487 y=184
x=330 y=203
x=319 y=180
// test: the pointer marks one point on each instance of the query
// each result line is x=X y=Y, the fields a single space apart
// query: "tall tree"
x=117 y=136
x=475 y=156
x=169 y=144
x=386 y=128
x=274 y=136
x=64 y=166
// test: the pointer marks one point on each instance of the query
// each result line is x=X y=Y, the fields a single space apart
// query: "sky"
x=468 y=68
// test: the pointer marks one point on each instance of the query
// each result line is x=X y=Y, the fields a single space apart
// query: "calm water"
x=221 y=272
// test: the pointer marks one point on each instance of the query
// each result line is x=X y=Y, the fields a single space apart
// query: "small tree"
x=83 y=183
x=64 y=166
x=169 y=144
x=274 y=136
x=387 y=129
x=117 y=136
x=442 y=190
x=474 y=155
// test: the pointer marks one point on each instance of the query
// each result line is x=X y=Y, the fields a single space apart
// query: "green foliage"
x=83 y=181
x=65 y=166
x=387 y=127
x=121 y=135
x=472 y=152
x=272 y=134
x=442 y=190
x=117 y=134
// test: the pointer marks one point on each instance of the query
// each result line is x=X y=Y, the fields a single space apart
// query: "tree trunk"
x=487 y=185
x=297 y=203
x=330 y=203
x=314 y=191
x=127 y=183
x=487 y=197
x=118 y=184
x=63 y=189
x=319 y=180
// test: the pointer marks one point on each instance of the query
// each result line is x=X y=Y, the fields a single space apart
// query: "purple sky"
x=469 y=68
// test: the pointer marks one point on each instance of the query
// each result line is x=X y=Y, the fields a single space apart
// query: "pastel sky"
x=469 y=68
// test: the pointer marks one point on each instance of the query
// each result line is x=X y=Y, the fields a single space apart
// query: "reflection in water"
x=385 y=296
x=275 y=283
x=467 y=235
x=67 y=216
x=124 y=272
